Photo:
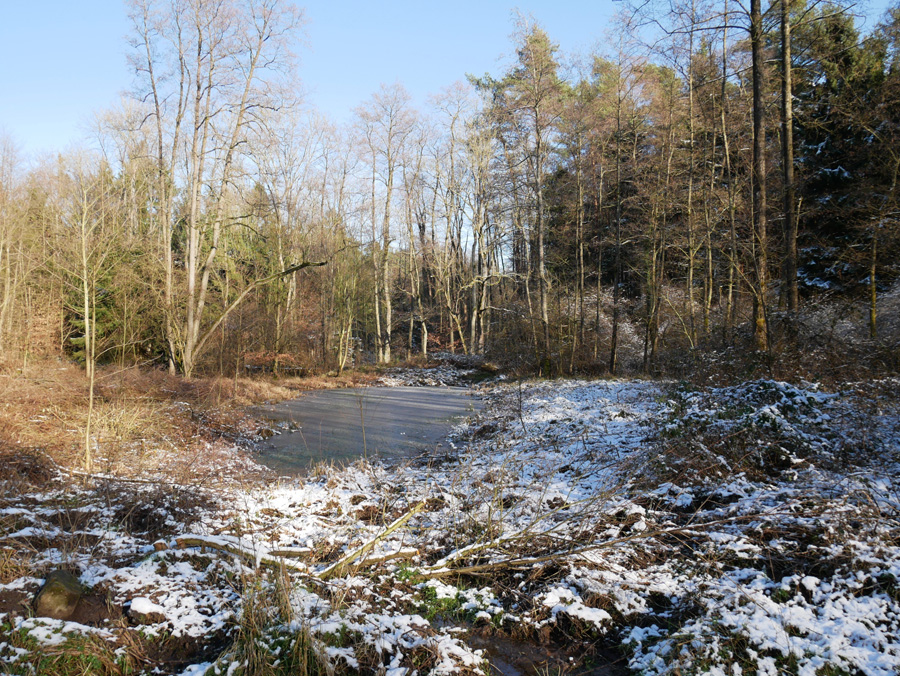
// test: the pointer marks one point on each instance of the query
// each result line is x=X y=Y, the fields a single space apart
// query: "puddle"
x=344 y=425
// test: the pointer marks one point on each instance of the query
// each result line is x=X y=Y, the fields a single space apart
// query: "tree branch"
x=237 y=301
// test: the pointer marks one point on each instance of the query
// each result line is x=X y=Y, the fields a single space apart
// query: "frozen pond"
x=376 y=422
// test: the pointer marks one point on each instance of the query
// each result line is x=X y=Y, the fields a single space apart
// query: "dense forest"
x=716 y=180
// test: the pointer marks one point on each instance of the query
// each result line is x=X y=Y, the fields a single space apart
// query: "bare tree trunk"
x=617 y=280
x=728 y=324
x=873 y=287
x=474 y=294
x=6 y=254
x=88 y=449
x=598 y=204
x=692 y=237
x=542 y=263
x=709 y=281
x=86 y=275
x=789 y=270
x=614 y=339
x=483 y=304
x=656 y=258
x=386 y=291
x=413 y=294
x=379 y=336
x=760 y=325
x=578 y=335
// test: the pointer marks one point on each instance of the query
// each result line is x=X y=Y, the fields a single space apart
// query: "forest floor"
x=603 y=527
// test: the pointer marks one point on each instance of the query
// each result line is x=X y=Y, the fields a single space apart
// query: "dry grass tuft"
x=265 y=644
x=81 y=655
x=24 y=466
x=44 y=407
x=13 y=565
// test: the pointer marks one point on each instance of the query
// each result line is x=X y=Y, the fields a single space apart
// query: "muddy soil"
x=511 y=657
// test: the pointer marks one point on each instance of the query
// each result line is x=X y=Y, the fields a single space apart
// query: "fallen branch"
x=257 y=557
x=291 y=552
x=277 y=558
x=337 y=569
x=441 y=570
x=392 y=556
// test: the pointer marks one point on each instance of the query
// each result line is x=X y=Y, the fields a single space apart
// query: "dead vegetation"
x=590 y=518
x=43 y=412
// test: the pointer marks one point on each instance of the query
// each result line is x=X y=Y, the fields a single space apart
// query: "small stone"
x=143 y=611
x=59 y=596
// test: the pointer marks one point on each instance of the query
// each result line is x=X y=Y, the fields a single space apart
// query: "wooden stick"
x=256 y=558
x=338 y=568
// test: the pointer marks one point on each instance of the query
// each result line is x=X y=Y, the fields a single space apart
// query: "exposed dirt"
x=173 y=652
x=15 y=601
x=96 y=609
x=512 y=657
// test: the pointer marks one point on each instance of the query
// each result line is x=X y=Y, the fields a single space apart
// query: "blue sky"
x=61 y=60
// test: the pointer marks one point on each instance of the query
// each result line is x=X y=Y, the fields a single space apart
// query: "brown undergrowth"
x=43 y=413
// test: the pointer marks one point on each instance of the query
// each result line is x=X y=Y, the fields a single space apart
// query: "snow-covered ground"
x=751 y=529
x=448 y=370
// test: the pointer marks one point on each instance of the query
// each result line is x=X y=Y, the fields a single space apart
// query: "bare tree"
x=760 y=239
x=385 y=122
x=11 y=234
x=790 y=265
x=84 y=248
x=207 y=71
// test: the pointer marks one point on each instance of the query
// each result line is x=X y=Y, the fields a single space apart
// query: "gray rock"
x=59 y=596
